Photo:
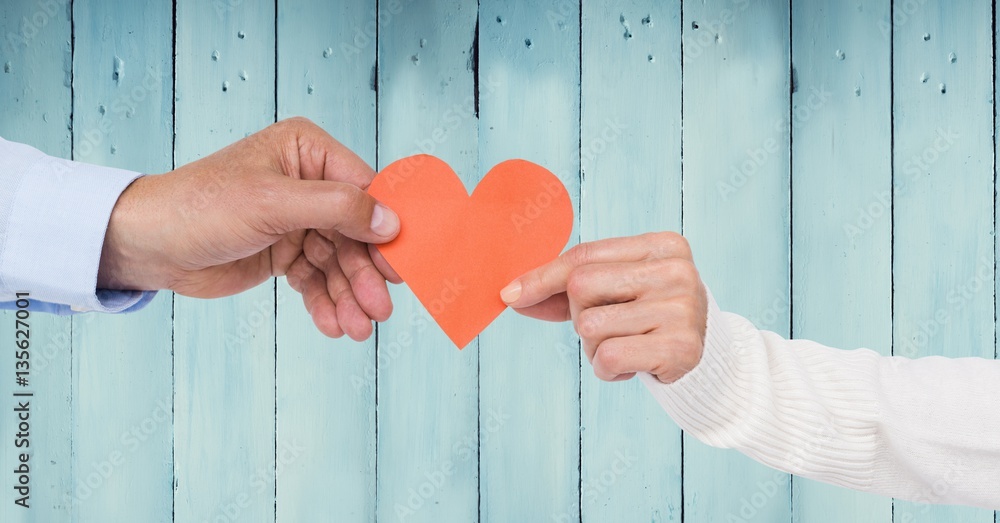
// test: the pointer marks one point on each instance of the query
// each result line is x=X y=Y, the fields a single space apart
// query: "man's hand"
x=288 y=200
x=637 y=303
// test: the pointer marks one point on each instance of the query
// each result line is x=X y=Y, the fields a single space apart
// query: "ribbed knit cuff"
x=699 y=400
x=795 y=406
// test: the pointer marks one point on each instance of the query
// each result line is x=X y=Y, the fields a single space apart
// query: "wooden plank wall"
x=833 y=165
x=842 y=126
x=122 y=106
x=37 y=110
x=428 y=466
x=325 y=388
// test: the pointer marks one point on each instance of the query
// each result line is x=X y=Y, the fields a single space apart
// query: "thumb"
x=325 y=205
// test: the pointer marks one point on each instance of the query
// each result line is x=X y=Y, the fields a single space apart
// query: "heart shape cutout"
x=456 y=251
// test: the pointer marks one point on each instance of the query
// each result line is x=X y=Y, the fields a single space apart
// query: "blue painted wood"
x=122 y=367
x=943 y=256
x=736 y=211
x=524 y=412
x=224 y=350
x=325 y=388
x=34 y=87
x=630 y=156
x=842 y=206
x=529 y=371
x=427 y=390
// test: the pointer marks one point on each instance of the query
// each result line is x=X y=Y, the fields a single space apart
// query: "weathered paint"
x=34 y=86
x=631 y=163
x=428 y=466
x=224 y=350
x=943 y=172
x=841 y=205
x=529 y=96
x=122 y=379
x=325 y=388
x=736 y=211
x=272 y=422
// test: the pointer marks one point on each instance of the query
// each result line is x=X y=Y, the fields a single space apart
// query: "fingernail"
x=511 y=292
x=384 y=221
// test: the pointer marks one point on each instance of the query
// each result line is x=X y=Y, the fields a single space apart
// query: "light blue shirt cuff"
x=57 y=213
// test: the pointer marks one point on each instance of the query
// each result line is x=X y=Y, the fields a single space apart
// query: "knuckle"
x=682 y=310
x=691 y=344
x=349 y=202
x=261 y=190
x=580 y=254
x=317 y=249
x=576 y=283
x=610 y=357
x=669 y=244
x=687 y=351
x=678 y=271
x=357 y=273
x=297 y=122
x=342 y=295
x=531 y=283
x=298 y=274
x=588 y=323
x=269 y=196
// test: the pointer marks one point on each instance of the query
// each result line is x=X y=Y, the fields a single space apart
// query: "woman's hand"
x=637 y=303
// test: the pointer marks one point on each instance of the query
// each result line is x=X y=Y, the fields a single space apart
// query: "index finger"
x=550 y=279
x=322 y=157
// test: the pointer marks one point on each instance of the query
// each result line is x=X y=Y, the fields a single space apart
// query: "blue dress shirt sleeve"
x=53 y=217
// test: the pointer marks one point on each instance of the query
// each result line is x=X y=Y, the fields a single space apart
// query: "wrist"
x=128 y=259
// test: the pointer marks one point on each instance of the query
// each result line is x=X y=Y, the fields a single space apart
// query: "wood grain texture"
x=35 y=74
x=943 y=171
x=122 y=368
x=325 y=388
x=736 y=211
x=631 y=184
x=529 y=96
x=427 y=410
x=841 y=206
x=224 y=430
x=781 y=190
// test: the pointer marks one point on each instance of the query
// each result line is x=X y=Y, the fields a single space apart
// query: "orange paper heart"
x=455 y=251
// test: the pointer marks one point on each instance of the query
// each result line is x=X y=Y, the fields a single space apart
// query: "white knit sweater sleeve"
x=924 y=430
